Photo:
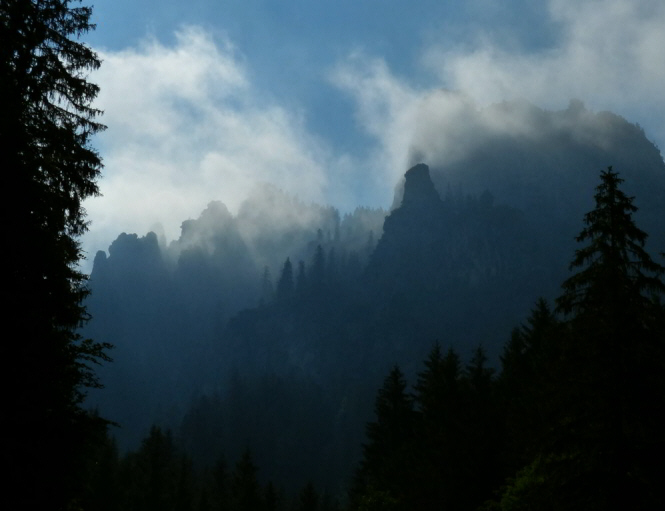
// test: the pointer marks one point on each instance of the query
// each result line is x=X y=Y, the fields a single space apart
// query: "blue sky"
x=204 y=98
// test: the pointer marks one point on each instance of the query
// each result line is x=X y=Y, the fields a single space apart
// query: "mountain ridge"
x=453 y=261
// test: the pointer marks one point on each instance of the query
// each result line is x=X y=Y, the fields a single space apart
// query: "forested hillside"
x=272 y=328
x=571 y=419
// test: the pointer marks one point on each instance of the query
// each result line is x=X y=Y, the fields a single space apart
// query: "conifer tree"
x=308 y=499
x=245 y=488
x=285 y=284
x=317 y=272
x=267 y=289
x=387 y=466
x=155 y=470
x=617 y=279
x=603 y=448
x=526 y=384
x=46 y=126
x=301 y=279
x=480 y=436
x=439 y=449
x=613 y=363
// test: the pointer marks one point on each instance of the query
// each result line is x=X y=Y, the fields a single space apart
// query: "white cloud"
x=185 y=126
x=609 y=53
x=387 y=109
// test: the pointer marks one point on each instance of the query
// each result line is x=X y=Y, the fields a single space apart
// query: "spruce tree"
x=603 y=445
x=388 y=456
x=526 y=384
x=245 y=487
x=613 y=365
x=46 y=126
x=439 y=395
x=616 y=277
x=285 y=284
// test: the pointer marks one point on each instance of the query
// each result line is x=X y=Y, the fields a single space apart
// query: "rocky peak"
x=416 y=224
x=418 y=188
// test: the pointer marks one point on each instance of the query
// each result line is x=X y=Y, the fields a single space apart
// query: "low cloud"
x=185 y=126
x=607 y=53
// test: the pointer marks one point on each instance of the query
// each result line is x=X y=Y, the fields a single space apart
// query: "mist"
x=265 y=256
x=192 y=120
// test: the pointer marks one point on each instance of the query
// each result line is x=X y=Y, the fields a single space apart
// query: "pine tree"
x=617 y=278
x=480 y=437
x=301 y=279
x=526 y=384
x=285 y=284
x=267 y=289
x=220 y=485
x=245 y=488
x=387 y=465
x=317 y=271
x=605 y=374
x=439 y=395
x=45 y=127
x=308 y=499
x=155 y=472
x=613 y=363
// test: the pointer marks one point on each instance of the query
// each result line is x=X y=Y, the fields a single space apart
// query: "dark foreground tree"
x=604 y=446
x=49 y=168
x=614 y=362
x=385 y=477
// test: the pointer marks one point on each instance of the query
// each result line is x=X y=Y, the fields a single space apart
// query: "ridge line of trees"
x=575 y=419
x=46 y=126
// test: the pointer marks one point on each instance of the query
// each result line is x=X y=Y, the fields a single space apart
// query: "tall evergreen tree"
x=267 y=289
x=617 y=279
x=439 y=396
x=387 y=466
x=301 y=279
x=614 y=363
x=481 y=435
x=604 y=448
x=526 y=384
x=285 y=284
x=45 y=127
x=317 y=271
x=245 y=488
x=155 y=470
x=308 y=499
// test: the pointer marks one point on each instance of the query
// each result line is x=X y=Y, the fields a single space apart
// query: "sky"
x=205 y=99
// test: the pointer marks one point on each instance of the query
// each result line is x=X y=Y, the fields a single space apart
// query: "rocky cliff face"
x=454 y=266
x=413 y=232
x=419 y=192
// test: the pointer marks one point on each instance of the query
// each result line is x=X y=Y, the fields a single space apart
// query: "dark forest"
x=492 y=341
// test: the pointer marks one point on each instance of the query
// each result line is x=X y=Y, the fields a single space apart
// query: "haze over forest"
x=302 y=206
x=332 y=105
x=272 y=328
x=354 y=257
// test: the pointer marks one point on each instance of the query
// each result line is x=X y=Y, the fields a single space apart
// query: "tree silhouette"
x=526 y=384
x=285 y=284
x=245 y=488
x=317 y=271
x=613 y=361
x=46 y=126
x=617 y=278
x=603 y=445
x=439 y=396
x=267 y=289
x=308 y=499
x=387 y=466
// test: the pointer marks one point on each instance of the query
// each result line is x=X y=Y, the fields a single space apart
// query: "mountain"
x=273 y=328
